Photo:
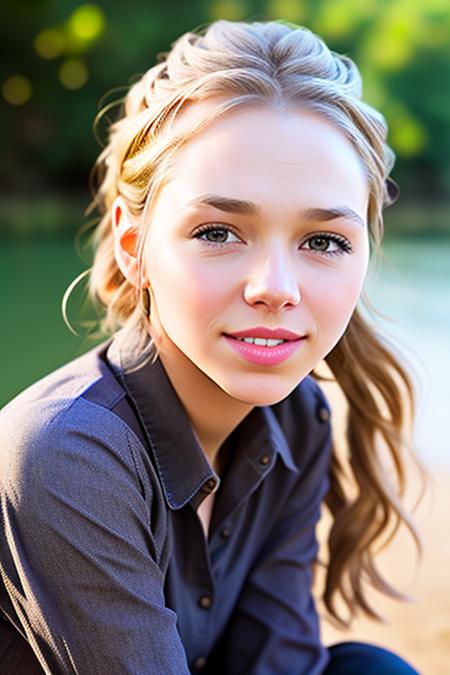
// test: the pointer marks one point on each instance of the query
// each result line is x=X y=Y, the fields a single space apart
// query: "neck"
x=212 y=412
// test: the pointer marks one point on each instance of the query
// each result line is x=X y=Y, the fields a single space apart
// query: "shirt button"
x=225 y=533
x=205 y=601
x=265 y=459
x=200 y=662
x=209 y=485
x=323 y=414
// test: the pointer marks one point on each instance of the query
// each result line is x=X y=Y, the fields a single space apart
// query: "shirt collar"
x=181 y=462
x=277 y=438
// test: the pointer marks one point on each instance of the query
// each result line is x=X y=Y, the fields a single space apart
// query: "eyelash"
x=343 y=243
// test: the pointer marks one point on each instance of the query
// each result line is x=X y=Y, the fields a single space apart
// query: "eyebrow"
x=248 y=208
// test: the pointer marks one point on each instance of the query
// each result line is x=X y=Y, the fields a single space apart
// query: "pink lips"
x=269 y=333
x=263 y=356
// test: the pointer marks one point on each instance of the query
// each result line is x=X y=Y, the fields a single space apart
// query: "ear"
x=125 y=235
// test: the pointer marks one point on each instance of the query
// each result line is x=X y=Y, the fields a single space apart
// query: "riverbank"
x=418 y=630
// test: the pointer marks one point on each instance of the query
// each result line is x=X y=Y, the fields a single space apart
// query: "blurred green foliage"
x=60 y=58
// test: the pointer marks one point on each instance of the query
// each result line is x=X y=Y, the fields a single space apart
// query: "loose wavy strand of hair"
x=378 y=390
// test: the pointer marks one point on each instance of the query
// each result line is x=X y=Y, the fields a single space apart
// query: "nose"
x=273 y=282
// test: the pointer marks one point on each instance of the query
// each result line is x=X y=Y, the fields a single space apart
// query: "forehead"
x=259 y=151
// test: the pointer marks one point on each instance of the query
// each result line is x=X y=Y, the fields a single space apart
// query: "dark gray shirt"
x=105 y=567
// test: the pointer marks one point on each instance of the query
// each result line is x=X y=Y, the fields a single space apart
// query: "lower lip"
x=264 y=356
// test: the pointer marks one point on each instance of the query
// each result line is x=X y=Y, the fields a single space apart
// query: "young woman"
x=160 y=494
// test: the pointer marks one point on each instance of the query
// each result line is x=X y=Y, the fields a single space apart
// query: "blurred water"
x=412 y=287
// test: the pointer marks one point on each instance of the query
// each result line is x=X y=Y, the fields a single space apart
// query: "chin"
x=257 y=394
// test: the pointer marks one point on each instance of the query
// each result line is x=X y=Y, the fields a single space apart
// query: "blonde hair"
x=283 y=66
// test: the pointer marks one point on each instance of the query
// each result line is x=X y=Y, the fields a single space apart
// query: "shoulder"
x=66 y=420
x=71 y=463
x=60 y=387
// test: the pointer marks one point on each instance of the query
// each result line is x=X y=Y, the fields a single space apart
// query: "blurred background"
x=62 y=61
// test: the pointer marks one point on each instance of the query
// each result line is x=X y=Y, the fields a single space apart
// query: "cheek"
x=200 y=294
x=332 y=298
x=186 y=290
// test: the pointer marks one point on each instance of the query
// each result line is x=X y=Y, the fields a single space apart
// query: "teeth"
x=262 y=341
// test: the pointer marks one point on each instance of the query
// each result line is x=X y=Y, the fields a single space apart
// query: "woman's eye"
x=215 y=235
x=328 y=244
x=325 y=243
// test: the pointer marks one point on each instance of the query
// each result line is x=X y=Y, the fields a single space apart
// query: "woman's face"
x=295 y=260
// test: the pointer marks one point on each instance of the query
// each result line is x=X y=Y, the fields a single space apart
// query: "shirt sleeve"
x=274 y=629
x=78 y=561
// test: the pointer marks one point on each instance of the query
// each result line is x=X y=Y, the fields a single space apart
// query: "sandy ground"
x=418 y=630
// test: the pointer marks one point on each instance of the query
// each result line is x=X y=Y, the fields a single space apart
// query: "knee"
x=360 y=658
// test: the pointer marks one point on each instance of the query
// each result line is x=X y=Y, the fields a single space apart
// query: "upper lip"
x=269 y=333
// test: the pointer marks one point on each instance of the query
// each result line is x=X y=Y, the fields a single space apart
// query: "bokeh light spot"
x=408 y=136
x=87 y=22
x=340 y=18
x=16 y=90
x=227 y=9
x=73 y=74
x=49 y=43
x=393 y=54
x=289 y=10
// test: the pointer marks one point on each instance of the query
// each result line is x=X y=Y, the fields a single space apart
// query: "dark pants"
x=347 y=658
x=361 y=658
